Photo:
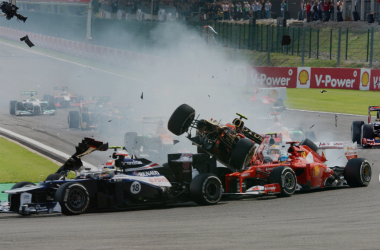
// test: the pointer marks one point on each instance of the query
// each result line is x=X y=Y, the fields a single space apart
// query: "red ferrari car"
x=304 y=169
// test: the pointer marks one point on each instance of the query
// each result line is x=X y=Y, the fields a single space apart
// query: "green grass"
x=19 y=164
x=334 y=100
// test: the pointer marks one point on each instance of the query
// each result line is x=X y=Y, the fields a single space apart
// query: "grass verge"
x=19 y=164
x=334 y=100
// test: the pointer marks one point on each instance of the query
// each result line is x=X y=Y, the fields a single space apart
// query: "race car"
x=268 y=103
x=62 y=98
x=131 y=182
x=31 y=105
x=303 y=169
x=99 y=113
x=155 y=140
x=285 y=134
x=232 y=144
x=367 y=135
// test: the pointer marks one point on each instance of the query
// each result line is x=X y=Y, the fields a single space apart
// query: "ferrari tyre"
x=286 y=178
x=242 y=154
x=358 y=172
x=367 y=133
x=12 y=107
x=310 y=135
x=73 y=198
x=310 y=144
x=55 y=177
x=181 y=119
x=14 y=199
x=206 y=189
x=73 y=119
x=356 y=128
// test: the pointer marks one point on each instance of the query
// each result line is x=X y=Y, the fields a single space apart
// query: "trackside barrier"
x=307 y=77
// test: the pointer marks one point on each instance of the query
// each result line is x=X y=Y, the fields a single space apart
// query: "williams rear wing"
x=346 y=150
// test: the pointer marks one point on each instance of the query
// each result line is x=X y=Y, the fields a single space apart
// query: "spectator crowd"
x=320 y=10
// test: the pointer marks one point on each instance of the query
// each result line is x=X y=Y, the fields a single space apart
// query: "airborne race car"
x=121 y=183
x=304 y=167
x=367 y=135
x=63 y=99
x=31 y=105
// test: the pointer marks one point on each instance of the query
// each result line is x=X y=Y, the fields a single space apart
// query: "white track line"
x=321 y=112
x=82 y=65
x=44 y=147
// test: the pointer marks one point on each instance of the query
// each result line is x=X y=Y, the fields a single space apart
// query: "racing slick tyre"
x=73 y=119
x=51 y=105
x=206 y=189
x=56 y=177
x=19 y=106
x=367 y=132
x=310 y=144
x=36 y=110
x=84 y=118
x=356 y=128
x=287 y=179
x=14 y=199
x=242 y=154
x=73 y=198
x=181 y=119
x=358 y=172
x=129 y=141
x=12 y=107
x=310 y=135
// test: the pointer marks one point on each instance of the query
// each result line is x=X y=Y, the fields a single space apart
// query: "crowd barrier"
x=308 y=77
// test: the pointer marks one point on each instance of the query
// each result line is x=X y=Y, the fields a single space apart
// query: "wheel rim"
x=186 y=124
x=212 y=190
x=76 y=198
x=289 y=181
x=366 y=173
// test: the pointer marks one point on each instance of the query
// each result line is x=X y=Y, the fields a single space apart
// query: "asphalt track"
x=344 y=218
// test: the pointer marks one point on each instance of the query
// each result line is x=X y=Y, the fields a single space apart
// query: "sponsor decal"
x=147 y=173
x=303 y=154
x=186 y=165
x=374 y=80
x=271 y=76
x=135 y=187
x=335 y=78
x=316 y=170
x=245 y=174
x=303 y=77
x=133 y=162
x=365 y=79
x=270 y=188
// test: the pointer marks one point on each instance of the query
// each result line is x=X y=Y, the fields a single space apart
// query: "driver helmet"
x=283 y=157
x=274 y=150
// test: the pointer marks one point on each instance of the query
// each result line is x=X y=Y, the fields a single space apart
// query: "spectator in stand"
x=238 y=11
x=258 y=9
x=263 y=13
x=254 y=11
x=320 y=10
x=283 y=9
x=268 y=6
x=315 y=11
x=231 y=11
x=326 y=14
x=246 y=10
x=308 y=11
x=332 y=10
x=225 y=11
x=303 y=9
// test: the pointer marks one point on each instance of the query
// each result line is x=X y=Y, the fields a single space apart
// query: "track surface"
x=344 y=218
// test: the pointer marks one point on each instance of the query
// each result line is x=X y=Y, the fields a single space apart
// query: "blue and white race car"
x=121 y=183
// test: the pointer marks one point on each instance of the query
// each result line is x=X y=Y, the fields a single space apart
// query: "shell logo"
x=316 y=170
x=303 y=77
x=365 y=79
x=273 y=94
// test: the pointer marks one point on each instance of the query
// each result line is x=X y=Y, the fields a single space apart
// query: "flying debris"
x=323 y=91
x=311 y=126
x=142 y=96
x=109 y=120
x=208 y=95
x=27 y=41
x=377 y=83
x=225 y=46
x=212 y=29
x=336 y=121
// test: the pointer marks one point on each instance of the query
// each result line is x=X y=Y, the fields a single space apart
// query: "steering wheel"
x=242 y=116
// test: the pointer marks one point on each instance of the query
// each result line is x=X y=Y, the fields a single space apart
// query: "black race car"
x=124 y=182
